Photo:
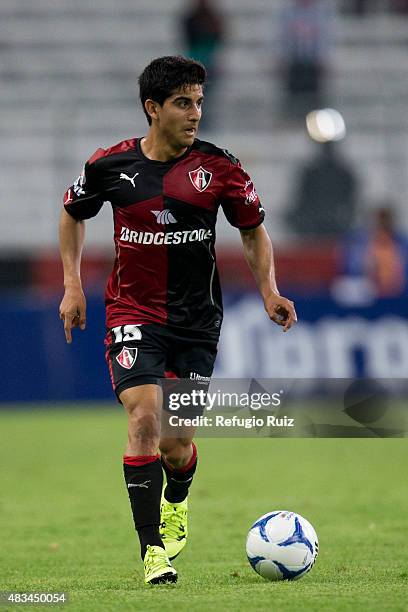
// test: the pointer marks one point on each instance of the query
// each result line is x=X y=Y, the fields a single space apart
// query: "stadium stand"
x=68 y=76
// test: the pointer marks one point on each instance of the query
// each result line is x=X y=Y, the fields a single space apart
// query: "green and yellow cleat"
x=173 y=526
x=157 y=567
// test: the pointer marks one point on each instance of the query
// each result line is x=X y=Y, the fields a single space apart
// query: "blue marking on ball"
x=254 y=560
x=298 y=536
x=289 y=574
x=261 y=524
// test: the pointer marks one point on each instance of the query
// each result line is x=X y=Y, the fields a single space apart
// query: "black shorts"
x=147 y=354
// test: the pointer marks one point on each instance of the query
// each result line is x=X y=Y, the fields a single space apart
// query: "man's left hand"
x=280 y=310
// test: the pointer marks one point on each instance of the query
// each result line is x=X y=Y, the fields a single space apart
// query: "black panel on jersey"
x=85 y=197
x=128 y=179
x=193 y=287
x=234 y=160
x=212 y=149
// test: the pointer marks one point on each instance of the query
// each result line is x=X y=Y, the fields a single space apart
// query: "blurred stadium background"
x=336 y=210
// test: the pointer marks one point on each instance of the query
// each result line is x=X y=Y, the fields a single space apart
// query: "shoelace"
x=173 y=521
x=155 y=560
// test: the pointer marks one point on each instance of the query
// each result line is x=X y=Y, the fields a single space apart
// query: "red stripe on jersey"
x=139 y=460
x=120 y=147
x=108 y=344
x=97 y=155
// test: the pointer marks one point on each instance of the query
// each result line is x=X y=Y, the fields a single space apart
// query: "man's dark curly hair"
x=166 y=74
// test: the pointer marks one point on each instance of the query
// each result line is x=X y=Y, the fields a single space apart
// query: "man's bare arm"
x=258 y=253
x=73 y=306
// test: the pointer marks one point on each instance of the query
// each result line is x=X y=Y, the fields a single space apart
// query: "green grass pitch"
x=66 y=524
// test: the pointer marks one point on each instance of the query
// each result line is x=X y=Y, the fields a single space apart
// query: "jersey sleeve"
x=84 y=198
x=240 y=200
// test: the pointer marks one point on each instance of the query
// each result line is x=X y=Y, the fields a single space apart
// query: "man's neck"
x=158 y=149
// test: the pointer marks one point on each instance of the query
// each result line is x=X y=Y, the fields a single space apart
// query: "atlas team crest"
x=201 y=178
x=127 y=357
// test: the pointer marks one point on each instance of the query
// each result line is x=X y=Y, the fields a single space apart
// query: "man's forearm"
x=258 y=253
x=73 y=306
x=71 y=237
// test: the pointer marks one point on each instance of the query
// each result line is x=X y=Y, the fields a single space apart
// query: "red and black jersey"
x=164 y=229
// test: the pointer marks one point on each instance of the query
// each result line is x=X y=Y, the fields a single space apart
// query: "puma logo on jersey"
x=164 y=217
x=128 y=178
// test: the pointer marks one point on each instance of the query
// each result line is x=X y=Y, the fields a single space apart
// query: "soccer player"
x=163 y=298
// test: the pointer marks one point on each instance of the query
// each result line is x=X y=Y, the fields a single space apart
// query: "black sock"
x=179 y=481
x=144 y=482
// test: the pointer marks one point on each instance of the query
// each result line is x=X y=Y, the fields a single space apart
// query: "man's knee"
x=176 y=451
x=144 y=424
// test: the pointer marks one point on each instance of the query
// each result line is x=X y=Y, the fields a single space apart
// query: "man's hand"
x=280 y=310
x=72 y=311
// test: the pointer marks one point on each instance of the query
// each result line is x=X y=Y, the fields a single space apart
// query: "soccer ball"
x=282 y=545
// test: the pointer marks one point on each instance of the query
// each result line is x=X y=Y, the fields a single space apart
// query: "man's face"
x=180 y=115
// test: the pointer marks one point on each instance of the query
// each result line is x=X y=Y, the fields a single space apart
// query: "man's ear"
x=151 y=108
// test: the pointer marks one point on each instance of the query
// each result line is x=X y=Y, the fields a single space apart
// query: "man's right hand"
x=72 y=311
